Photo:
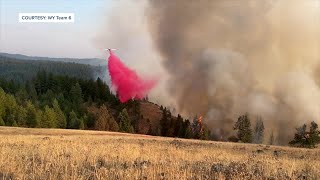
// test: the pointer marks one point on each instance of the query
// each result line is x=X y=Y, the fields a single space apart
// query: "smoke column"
x=226 y=58
x=126 y=82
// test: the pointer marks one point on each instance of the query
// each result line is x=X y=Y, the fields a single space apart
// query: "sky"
x=53 y=39
x=98 y=24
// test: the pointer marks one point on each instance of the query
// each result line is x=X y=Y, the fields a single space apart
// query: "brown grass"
x=75 y=154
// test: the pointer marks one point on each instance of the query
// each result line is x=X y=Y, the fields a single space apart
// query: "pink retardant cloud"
x=126 y=82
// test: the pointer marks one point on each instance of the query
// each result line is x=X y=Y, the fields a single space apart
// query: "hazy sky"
x=52 y=39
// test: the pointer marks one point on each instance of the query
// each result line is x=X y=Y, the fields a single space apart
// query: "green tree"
x=49 y=118
x=21 y=95
x=21 y=116
x=89 y=120
x=81 y=124
x=314 y=134
x=189 y=133
x=61 y=118
x=14 y=123
x=76 y=99
x=165 y=122
x=187 y=130
x=243 y=126
x=105 y=121
x=178 y=127
x=31 y=91
x=12 y=110
x=302 y=138
x=76 y=94
x=32 y=117
x=47 y=98
x=125 y=124
x=2 y=122
x=205 y=135
x=113 y=125
x=2 y=104
x=74 y=121
x=90 y=101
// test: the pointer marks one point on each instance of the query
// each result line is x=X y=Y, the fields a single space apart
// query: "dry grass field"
x=75 y=154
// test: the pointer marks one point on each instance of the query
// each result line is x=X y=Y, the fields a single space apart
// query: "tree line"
x=245 y=133
x=24 y=70
x=62 y=101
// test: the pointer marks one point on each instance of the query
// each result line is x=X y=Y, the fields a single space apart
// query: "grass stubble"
x=76 y=154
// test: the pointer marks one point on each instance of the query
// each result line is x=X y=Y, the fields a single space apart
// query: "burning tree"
x=198 y=128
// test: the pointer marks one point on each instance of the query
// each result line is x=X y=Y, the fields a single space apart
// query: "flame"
x=200 y=119
x=200 y=123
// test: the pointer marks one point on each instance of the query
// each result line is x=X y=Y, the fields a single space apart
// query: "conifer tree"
x=2 y=103
x=61 y=118
x=302 y=138
x=105 y=121
x=81 y=124
x=314 y=134
x=49 y=118
x=76 y=94
x=74 y=121
x=164 y=122
x=243 y=126
x=2 y=122
x=32 y=118
x=125 y=124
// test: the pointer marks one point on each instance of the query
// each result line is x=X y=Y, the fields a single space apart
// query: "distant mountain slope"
x=23 y=70
x=89 y=61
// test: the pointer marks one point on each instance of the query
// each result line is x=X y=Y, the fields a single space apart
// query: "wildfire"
x=197 y=126
x=200 y=122
x=200 y=119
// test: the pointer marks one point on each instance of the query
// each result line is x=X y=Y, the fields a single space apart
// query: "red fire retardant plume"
x=126 y=82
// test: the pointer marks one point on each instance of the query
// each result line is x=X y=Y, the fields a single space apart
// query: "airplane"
x=110 y=49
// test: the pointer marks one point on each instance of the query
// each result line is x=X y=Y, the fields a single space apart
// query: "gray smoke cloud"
x=222 y=58
x=226 y=58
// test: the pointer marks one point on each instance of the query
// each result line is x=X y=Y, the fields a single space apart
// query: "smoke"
x=222 y=58
x=125 y=29
x=226 y=58
x=126 y=82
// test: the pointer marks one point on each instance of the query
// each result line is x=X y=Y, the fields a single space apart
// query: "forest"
x=60 y=101
x=45 y=94
x=21 y=71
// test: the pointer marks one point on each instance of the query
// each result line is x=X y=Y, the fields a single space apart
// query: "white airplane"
x=110 y=49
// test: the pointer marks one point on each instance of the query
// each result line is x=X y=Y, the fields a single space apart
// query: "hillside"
x=152 y=116
x=24 y=70
x=60 y=101
x=88 y=61
x=77 y=154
